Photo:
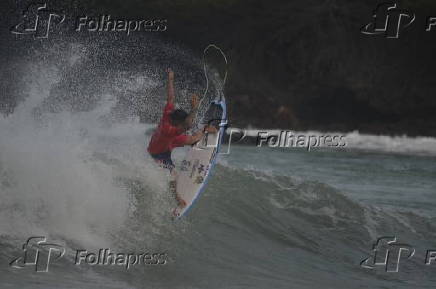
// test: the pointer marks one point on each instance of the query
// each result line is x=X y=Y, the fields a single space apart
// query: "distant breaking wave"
x=403 y=144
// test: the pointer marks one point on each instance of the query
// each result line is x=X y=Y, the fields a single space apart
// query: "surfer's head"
x=178 y=117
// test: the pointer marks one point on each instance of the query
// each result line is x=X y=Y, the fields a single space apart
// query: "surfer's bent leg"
x=164 y=160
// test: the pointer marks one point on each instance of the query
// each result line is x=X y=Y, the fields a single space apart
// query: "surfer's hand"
x=194 y=101
x=210 y=129
x=170 y=74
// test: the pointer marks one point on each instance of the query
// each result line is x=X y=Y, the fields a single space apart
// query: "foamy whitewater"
x=269 y=217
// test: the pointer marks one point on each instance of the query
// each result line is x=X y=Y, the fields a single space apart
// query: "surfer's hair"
x=178 y=116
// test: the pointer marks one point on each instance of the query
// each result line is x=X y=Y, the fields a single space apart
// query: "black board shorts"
x=164 y=159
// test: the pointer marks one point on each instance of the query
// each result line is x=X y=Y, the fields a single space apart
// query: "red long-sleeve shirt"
x=166 y=137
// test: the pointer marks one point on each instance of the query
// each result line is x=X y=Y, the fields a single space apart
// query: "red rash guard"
x=166 y=137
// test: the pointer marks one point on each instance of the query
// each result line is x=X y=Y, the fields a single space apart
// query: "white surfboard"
x=196 y=167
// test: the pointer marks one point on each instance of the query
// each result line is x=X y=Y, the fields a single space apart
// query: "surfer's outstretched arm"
x=170 y=87
x=194 y=106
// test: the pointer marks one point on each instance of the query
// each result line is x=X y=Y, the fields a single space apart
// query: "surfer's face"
x=180 y=125
x=184 y=126
x=187 y=125
x=179 y=118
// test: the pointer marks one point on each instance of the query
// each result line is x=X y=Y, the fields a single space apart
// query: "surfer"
x=171 y=132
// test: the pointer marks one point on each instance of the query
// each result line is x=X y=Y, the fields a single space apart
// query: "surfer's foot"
x=181 y=202
x=176 y=213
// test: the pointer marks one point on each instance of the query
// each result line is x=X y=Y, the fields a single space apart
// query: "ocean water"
x=269 y=218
